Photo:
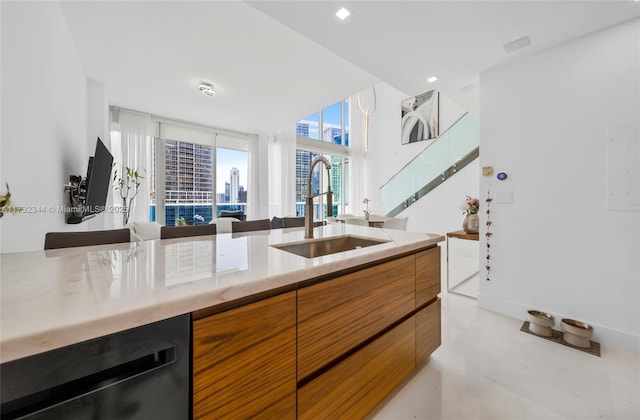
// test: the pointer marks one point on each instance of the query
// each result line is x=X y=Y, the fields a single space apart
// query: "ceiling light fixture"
x=343 y=13
x=207 y=89
x=432 y=79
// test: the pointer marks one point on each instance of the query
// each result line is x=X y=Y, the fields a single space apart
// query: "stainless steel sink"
x=321 y=247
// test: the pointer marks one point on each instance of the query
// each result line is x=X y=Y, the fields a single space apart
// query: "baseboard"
x=608 y=337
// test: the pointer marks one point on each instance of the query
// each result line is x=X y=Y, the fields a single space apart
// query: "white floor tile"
x=486 y=368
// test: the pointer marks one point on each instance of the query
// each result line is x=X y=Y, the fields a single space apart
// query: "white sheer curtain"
x=258 y=176
x=282 y=173
x=357 y=154
x=133 y=133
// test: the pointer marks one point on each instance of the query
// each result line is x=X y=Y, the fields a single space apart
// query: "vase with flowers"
x=471 y=223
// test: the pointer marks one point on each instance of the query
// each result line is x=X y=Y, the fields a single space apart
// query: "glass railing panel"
x=455 y=143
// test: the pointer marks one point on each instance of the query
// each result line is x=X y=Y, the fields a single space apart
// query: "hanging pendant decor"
x=488 y=235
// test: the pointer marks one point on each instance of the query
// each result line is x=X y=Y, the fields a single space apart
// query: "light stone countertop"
x=50 y=299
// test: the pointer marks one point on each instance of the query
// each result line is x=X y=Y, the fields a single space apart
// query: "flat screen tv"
x=98 y=180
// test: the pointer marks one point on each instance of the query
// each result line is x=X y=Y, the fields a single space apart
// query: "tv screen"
x=98 y=179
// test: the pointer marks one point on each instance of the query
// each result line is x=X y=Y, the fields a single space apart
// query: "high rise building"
x=302 y=129
x=235 y=185
x=188 y=172
x=332 y=134
x=336 y=178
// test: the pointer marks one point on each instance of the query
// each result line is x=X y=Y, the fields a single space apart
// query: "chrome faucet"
x=308 y=209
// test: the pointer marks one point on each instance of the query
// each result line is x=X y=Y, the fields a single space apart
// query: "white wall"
x=98 y=126
x=439 y=211
x=44 y=119
x=556 y=247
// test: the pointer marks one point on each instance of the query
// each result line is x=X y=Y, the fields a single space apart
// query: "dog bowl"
x=540 y=323
x=577 y=333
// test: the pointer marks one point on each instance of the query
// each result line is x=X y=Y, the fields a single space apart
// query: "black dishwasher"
x=141 y=373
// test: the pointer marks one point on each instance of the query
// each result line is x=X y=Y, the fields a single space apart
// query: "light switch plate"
x=487 y=170
x=504 y=197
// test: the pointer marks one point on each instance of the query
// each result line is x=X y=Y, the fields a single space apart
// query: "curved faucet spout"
x=308 y=214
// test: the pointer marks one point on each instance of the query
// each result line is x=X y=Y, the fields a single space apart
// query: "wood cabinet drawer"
x=244 y=361
x=339 y=314
x=428 y=331
x=355 y=386
x=427 y=275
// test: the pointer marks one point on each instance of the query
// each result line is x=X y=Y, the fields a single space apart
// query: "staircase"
x=440 y=160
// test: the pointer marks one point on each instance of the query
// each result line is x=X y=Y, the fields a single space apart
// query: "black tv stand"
x=77 y=189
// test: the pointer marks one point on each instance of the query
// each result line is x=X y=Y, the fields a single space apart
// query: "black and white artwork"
x=420 y=117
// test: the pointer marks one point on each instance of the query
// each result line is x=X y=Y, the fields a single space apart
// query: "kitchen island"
x=51 y=299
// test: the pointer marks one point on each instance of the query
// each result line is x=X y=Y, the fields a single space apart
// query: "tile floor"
x=486 y=368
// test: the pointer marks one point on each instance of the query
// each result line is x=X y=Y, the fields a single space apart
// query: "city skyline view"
x=192 y=186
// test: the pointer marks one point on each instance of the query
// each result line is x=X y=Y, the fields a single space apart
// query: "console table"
x=468 y=286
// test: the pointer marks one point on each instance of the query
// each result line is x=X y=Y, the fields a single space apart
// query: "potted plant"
x=128 y=184
x=5 y=201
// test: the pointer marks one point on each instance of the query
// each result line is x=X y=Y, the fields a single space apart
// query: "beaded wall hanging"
x=488 y=235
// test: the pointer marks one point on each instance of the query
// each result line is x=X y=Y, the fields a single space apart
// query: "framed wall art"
x=420 y=120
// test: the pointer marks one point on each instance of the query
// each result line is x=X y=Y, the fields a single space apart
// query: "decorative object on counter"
x=367 y=113
x=181 y=222
x=366 y=208
x=556 y=337
x=5 y=201
x=471 y=222
x=540 y=323
x=128 y=184
x=577 y=333
x=420 y=118
x=198 y=218
x=488 y=234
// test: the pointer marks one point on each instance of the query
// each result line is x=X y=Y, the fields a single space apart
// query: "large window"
x=188 y=181
x=333 y=123
x=193 y=172
x=232 y=167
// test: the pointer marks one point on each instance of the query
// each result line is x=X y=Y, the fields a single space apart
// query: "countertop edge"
x=23 y=346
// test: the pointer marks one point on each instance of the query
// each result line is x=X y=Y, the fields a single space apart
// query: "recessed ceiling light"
x=207 y=89
x=432 y=79
x=343 y=13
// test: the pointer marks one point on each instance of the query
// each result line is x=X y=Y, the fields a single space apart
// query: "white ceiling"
x=274 y=62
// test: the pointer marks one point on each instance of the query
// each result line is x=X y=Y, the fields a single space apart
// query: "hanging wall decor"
x=367 y=113
x=488 y=235
x=420 y=119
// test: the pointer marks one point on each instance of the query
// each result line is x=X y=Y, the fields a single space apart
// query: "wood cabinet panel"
x=244 y=361
x=355 y=386
x=337 y=315
x=428 y=331
x=427 y=275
